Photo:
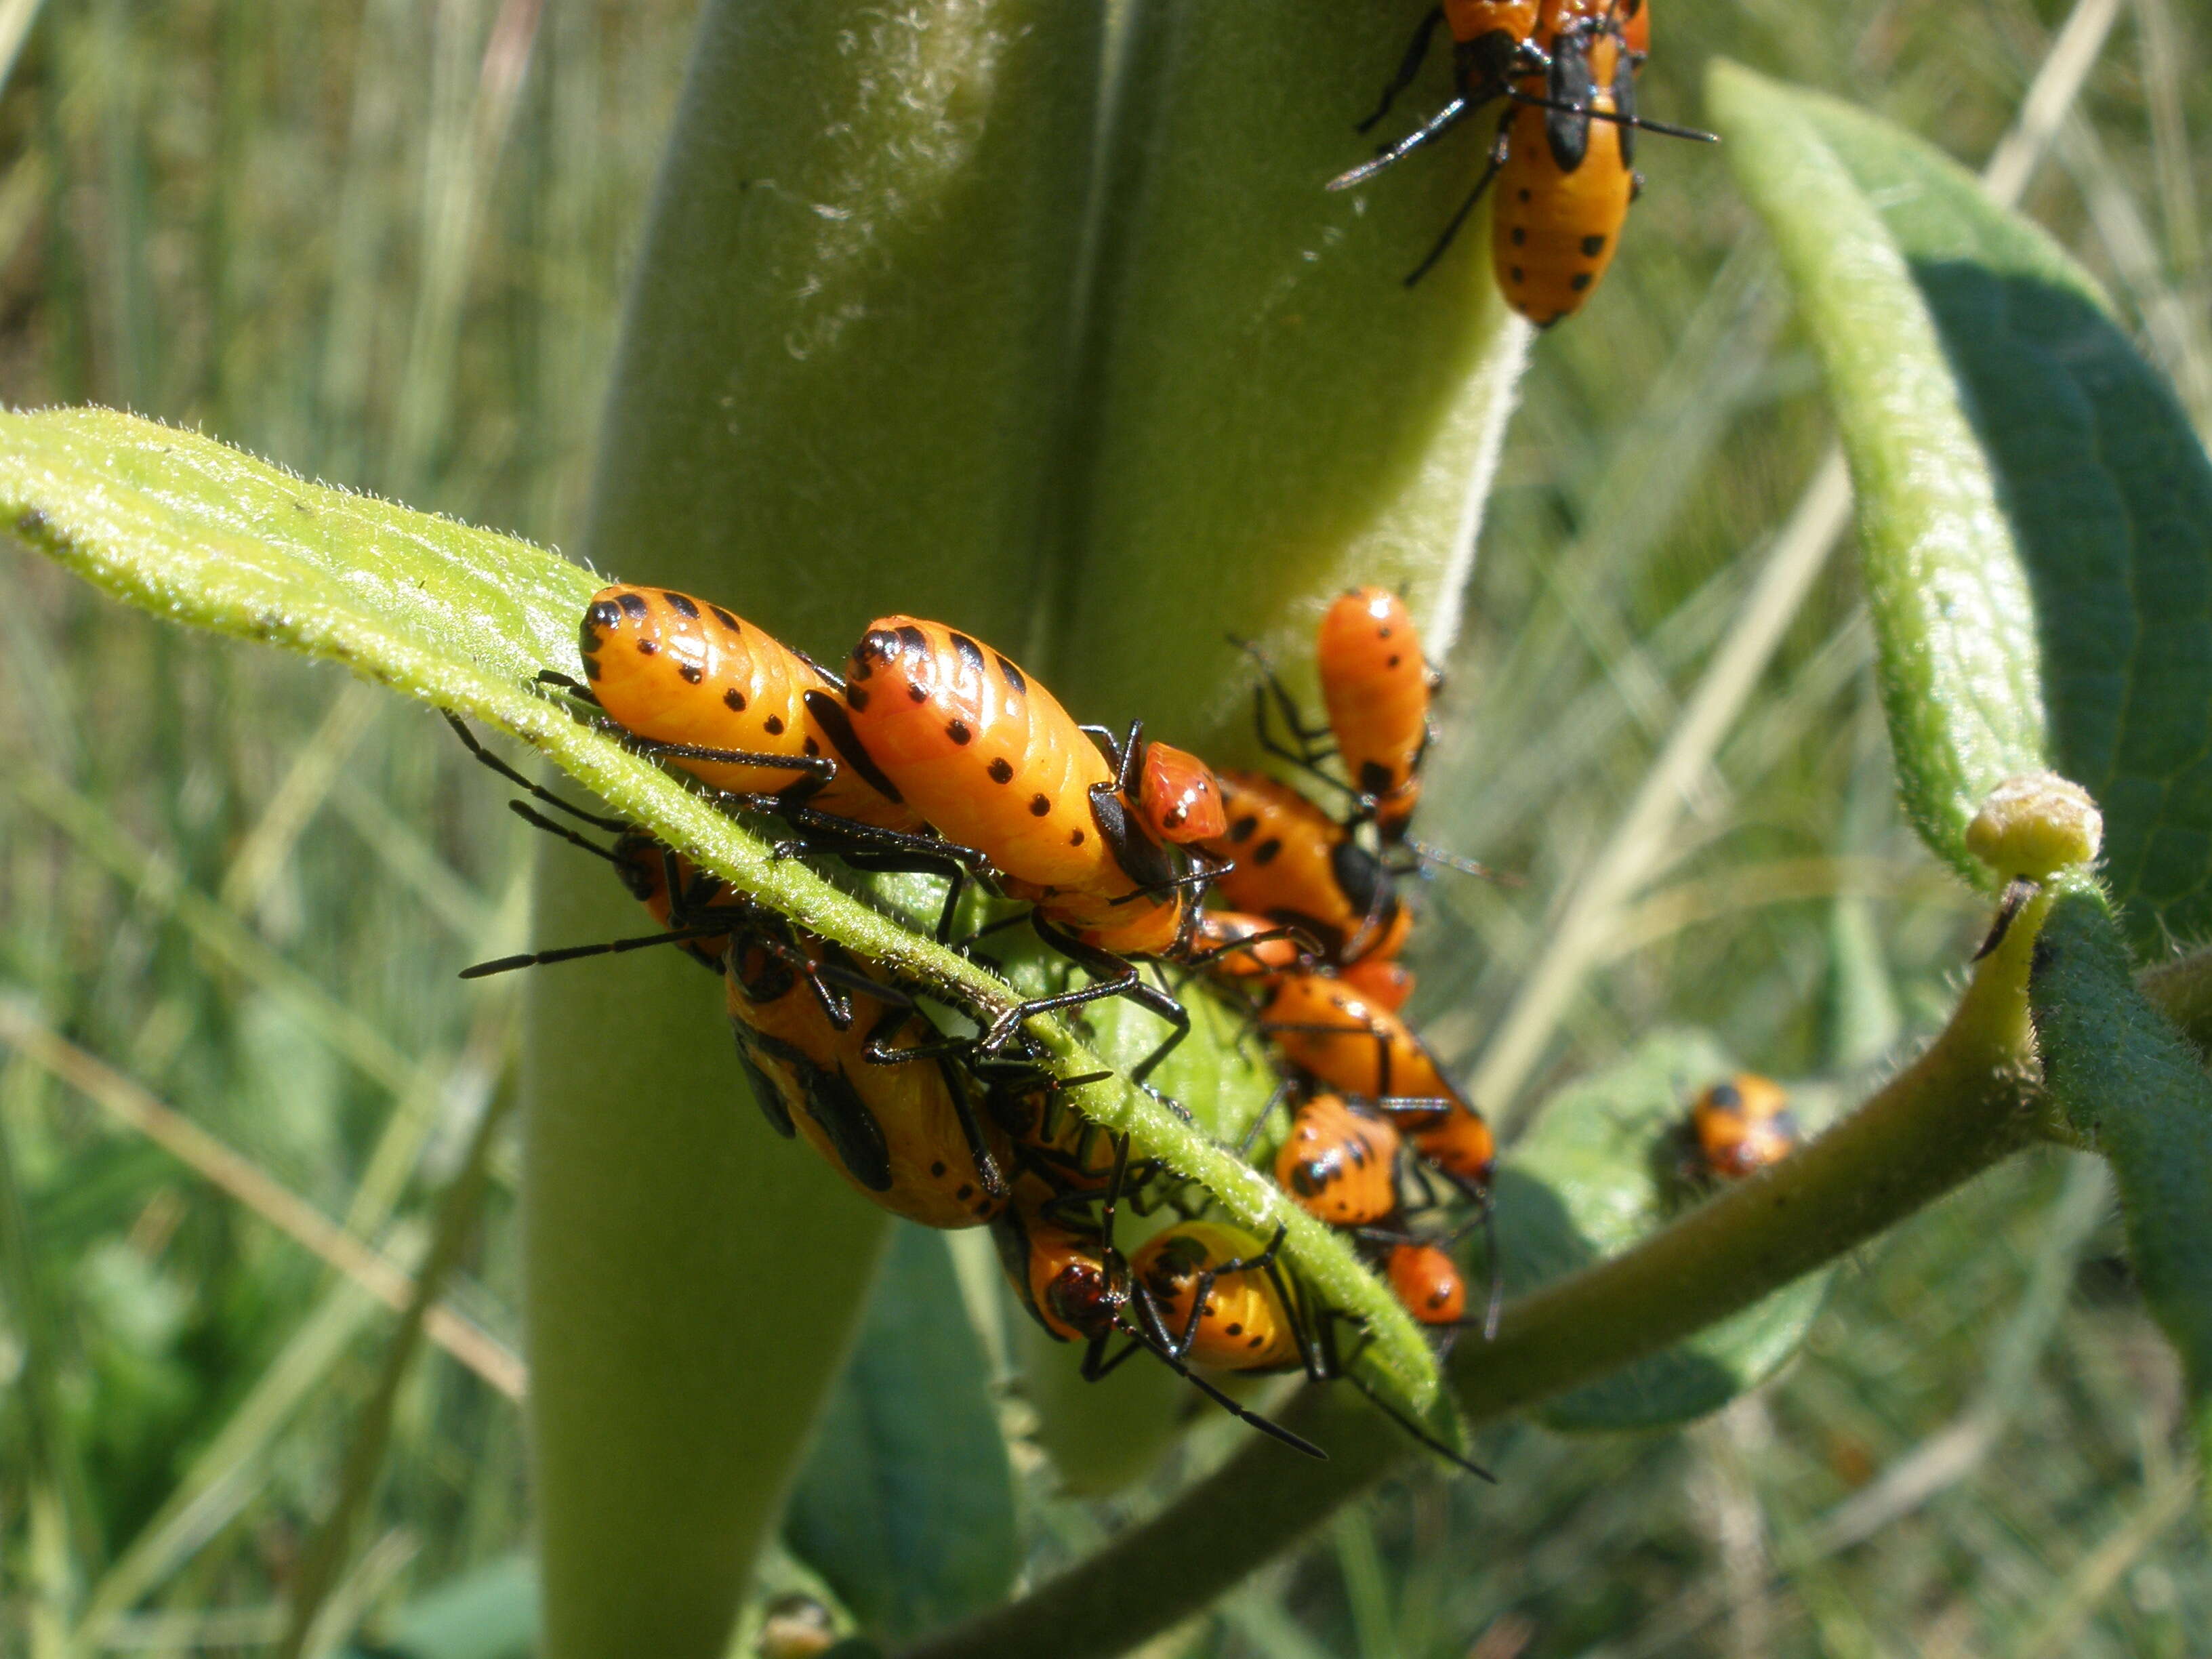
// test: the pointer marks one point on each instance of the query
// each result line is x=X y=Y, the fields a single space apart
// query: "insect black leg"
x=1452 y=229
x=1266 y=1425
x=608 y=948
x=1416 y=53
x=1117 y=978
x=469 y=741
x=1314 y=743
x=576 y=689
x=1283 y=1092
x=1308 y=946
x=818 y=768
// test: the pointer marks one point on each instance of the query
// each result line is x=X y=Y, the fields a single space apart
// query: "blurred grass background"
x=385 y=245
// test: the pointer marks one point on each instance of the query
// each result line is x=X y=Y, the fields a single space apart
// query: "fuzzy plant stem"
x=1964 y=1104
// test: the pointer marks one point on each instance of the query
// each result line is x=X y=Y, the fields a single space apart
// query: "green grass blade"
x=2132 y=1089
x=317 y=1575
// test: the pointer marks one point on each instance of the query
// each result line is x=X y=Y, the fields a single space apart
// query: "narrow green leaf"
x=2019 y=466
x=1952 y=606
x=905 y=1506
x=2131 y=1089
x=1601 y=1171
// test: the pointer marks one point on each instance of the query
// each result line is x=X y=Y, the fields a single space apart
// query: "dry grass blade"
x=457 y=1214
x=245 y=1181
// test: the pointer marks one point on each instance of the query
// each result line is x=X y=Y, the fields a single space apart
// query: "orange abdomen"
x=1340 y=1165
x=983 y=752
x=1376 y=686
x=1350 y=1045
x=1461 y=1145
x=1379 y=983
x=893 y=1132
x=1428 y=1282
x=1244 y=1326
x=677 y=670
x=1553 y=232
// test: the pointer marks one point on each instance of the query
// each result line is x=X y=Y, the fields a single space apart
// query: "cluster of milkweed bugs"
x=1562 y=160
x=1379 y=1141
x=935 y=753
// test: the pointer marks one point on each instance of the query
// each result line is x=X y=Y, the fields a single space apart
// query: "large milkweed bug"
x=690 y=681
x=1077 y=1284
x=1293 y=864
x=1565 y=178
x=1379 y=711
x=1339 y=1161
x=1359 y=1048
x=1742 y=1124
x=1427 y=1281
x=1578 y=70
x=887 y=1103
x=1216 y=1296
x=1063 y=814
x=1377 y=688
x=1325 y=1030
x=909 y=1132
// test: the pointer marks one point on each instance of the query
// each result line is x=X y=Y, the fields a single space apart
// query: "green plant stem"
x=1963 y=1105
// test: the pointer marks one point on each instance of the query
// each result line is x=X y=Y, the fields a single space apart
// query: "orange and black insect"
x=1565 y=178
x=1293 y=864
x=907 y=1130
x=888 y=1105
x=1061 y=813
x=1377 y=688
x=1577 y=72
x=1743 y=1124
x=1339 y=1161
x=1354 y=1046
x=1428 y=1282
x=1078 y=1285
x=692 y=682
x=1215 y=1296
